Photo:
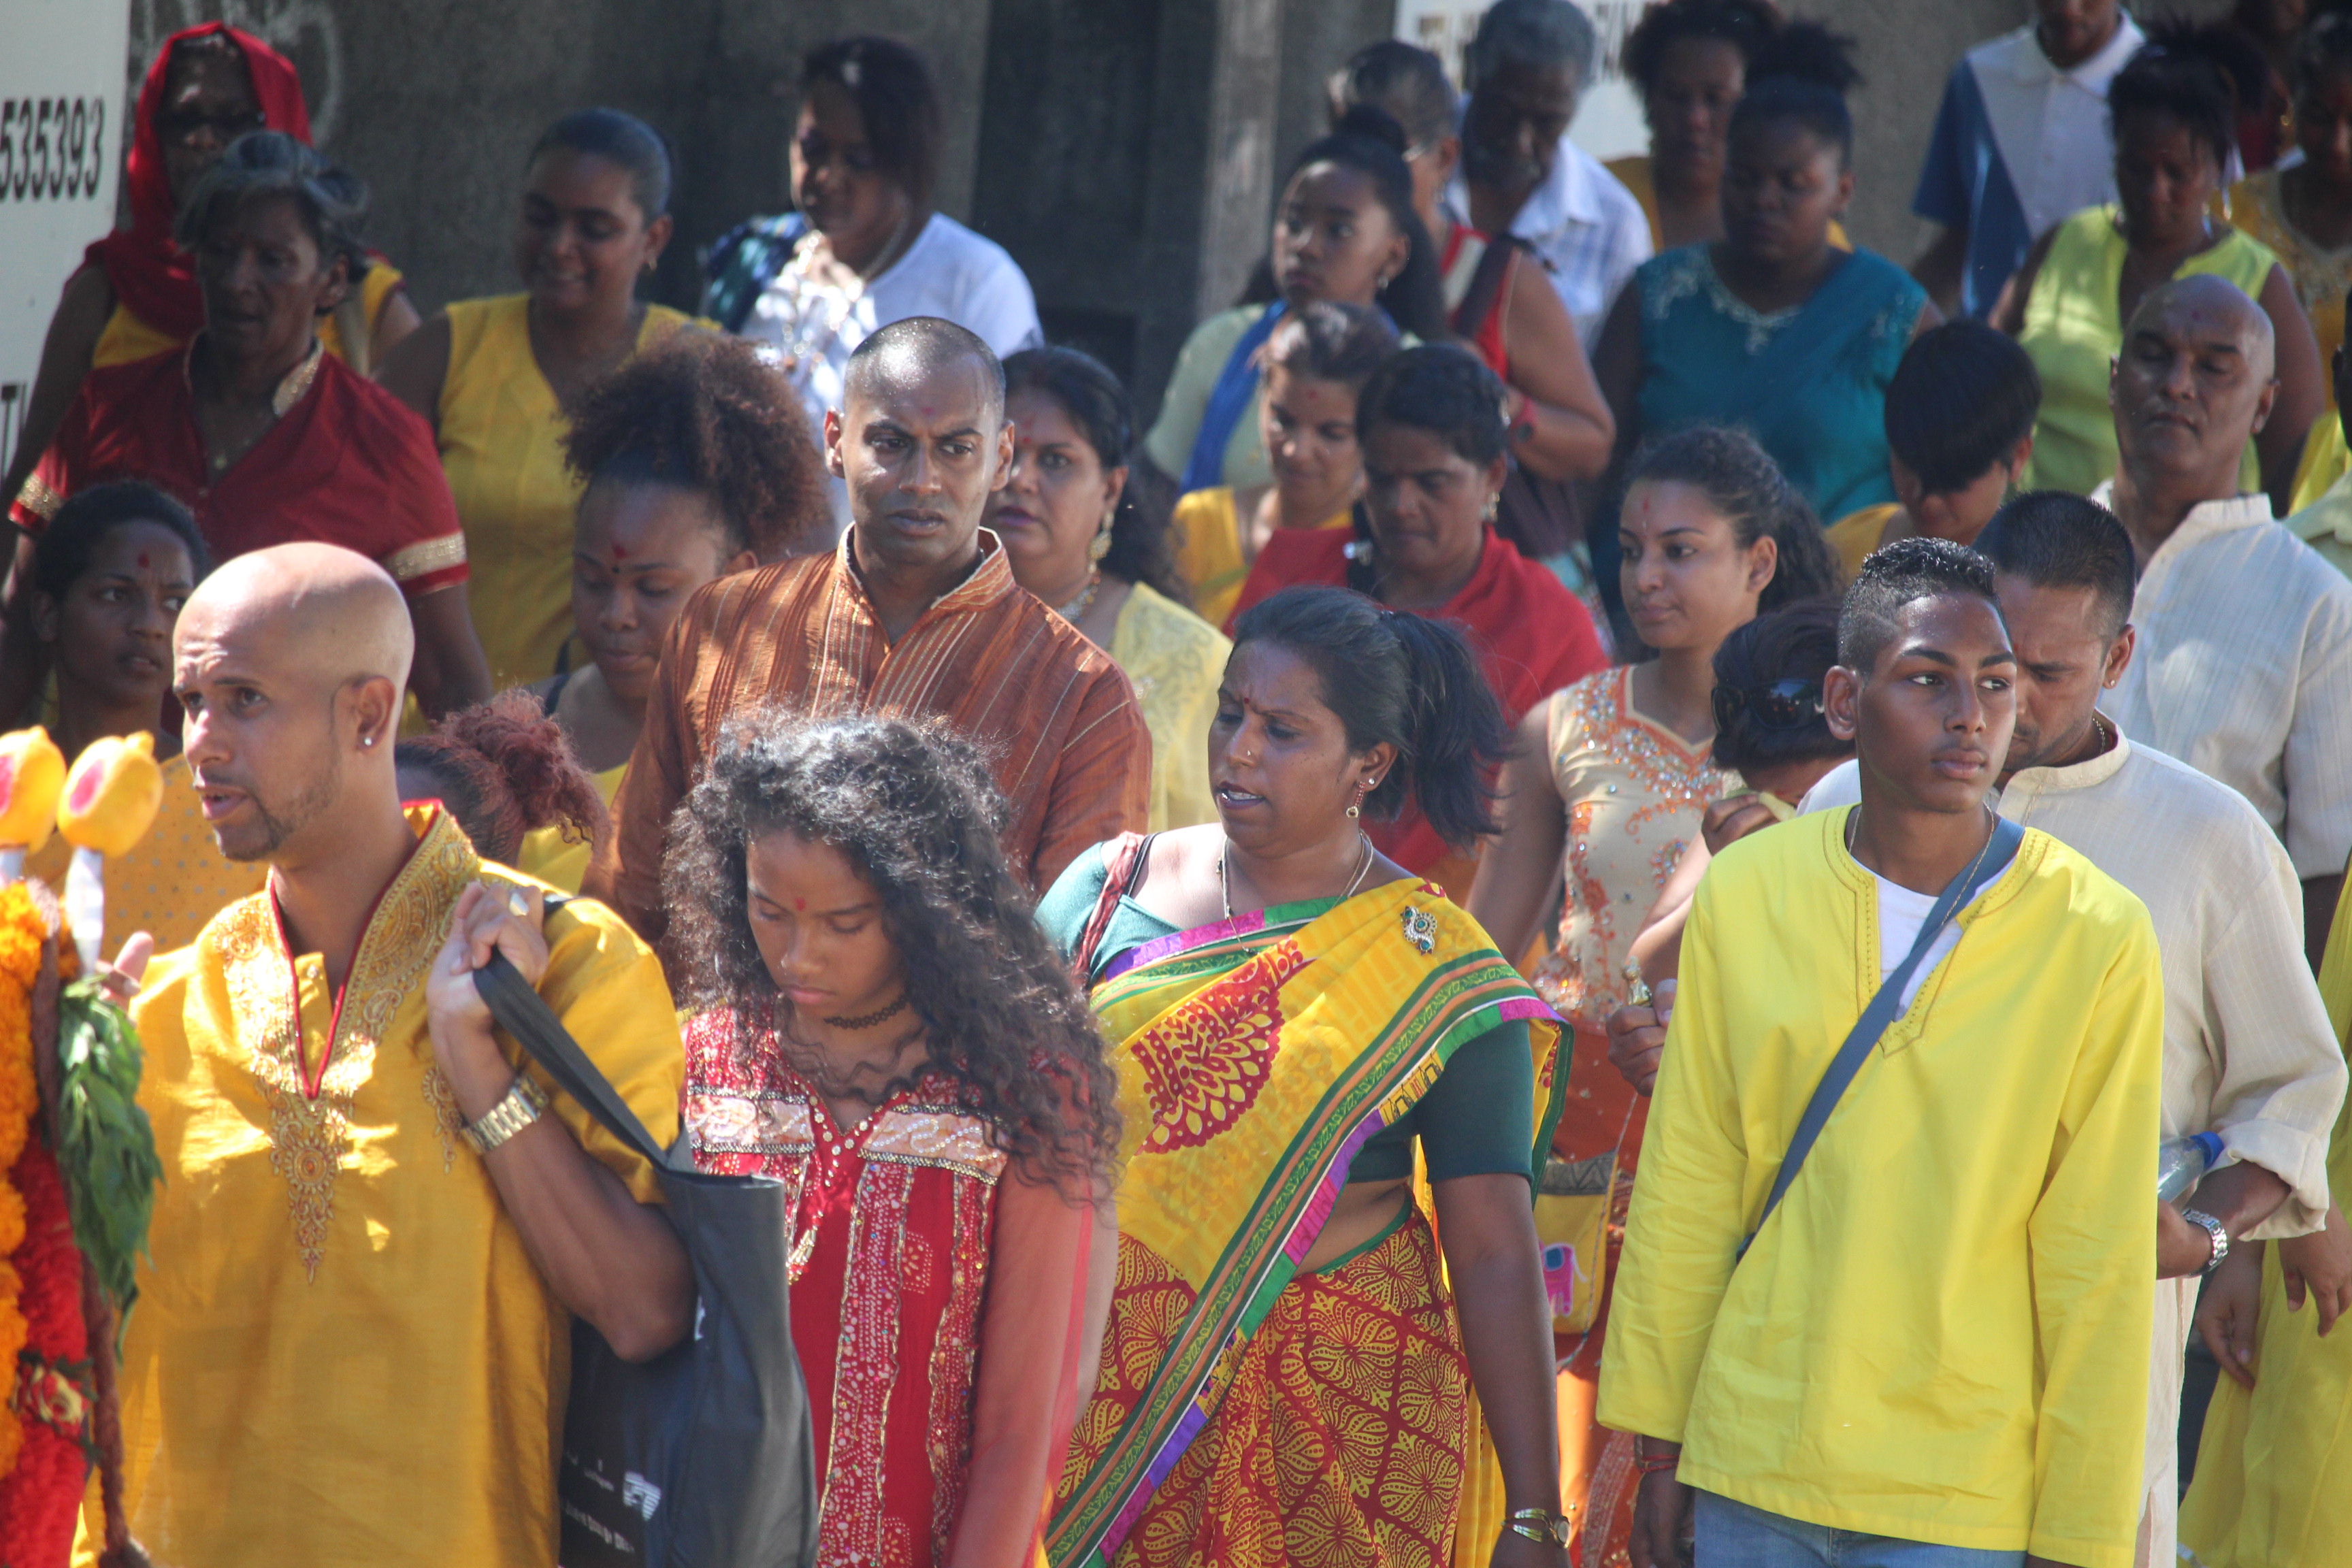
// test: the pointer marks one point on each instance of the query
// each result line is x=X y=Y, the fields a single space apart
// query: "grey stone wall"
x=1124 y=151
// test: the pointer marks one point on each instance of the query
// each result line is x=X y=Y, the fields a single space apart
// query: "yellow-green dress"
x=2274 y=1482
x=501 y=436
x=2074 y=327
x=1175 y=659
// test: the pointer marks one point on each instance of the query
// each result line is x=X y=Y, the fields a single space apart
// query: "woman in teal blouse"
x=1773 y=329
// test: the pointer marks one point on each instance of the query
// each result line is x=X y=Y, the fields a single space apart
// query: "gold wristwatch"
x=1539 y=1524
x=516 y=1109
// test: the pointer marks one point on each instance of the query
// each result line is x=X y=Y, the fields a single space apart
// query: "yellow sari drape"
x=2274 y=1481
x=1255 y=1058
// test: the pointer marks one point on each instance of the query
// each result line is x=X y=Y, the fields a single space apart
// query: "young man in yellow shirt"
x=1936 y=1352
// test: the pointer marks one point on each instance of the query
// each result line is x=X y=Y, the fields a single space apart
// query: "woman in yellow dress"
x=2274 y=1478
x=1078 y=539
x=1316 y=362
x=693 y=461
x=1688 y=60
x=109 y=573
x=494 y=377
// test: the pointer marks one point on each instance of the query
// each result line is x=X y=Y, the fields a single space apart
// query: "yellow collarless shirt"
x=342 y=1356
x=501 y=437
x=1942 y=1335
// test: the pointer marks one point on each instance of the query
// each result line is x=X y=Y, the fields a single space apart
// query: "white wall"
x=60 y=157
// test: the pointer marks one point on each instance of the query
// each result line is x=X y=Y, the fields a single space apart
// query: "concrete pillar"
x=1244 y=96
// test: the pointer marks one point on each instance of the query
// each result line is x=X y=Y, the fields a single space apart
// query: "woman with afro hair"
x=694 y=463
x=875 y=1018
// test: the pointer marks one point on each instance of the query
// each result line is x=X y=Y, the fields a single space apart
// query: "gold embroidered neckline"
x=309 y=1114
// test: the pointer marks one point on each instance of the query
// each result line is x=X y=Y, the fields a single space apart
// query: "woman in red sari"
x=257 y=430
x=135 y=293
x=1431 y=426
x=878 y=1021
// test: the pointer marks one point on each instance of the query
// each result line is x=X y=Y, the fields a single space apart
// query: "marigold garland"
x=22 y=932
x=41 y=1496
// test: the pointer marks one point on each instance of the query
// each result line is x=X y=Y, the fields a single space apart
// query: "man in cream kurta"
x=2248 y=1050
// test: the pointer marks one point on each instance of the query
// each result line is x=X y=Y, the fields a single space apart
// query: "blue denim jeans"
x=1733 y=1535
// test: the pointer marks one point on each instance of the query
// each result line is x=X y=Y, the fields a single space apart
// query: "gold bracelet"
x=516 y=1109
x=1539 y=1524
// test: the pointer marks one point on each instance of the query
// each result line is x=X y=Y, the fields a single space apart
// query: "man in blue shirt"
x=2021 y=140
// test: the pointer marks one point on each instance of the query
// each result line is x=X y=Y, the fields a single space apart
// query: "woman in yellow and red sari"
x=879 y=1024
x=1288 y=1379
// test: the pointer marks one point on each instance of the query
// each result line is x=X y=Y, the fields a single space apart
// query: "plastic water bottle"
x=2181 y=1163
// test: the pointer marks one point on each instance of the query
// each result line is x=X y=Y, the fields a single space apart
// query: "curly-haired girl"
x=879 y=1020
x=696 y=464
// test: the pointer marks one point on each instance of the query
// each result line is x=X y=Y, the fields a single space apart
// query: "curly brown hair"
x=914 y=809
x=707 y=413
x=503 y=768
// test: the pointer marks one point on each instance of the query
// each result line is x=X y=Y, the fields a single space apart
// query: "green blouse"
x=1473 y=1121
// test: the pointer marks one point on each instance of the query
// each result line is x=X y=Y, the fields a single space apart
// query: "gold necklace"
x=1076 y=608
x=1226 y=897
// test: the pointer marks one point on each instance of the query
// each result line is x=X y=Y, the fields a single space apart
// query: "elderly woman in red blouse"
x=256 y=430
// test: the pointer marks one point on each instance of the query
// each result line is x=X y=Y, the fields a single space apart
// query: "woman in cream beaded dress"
x=1604 y=794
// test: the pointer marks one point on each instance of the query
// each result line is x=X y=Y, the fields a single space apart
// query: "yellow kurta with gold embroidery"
x=340 y=1354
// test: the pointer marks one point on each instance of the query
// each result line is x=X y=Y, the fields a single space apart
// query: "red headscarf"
x=143 y=262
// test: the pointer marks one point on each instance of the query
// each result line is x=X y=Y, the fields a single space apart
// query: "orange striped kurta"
x=1058 y=719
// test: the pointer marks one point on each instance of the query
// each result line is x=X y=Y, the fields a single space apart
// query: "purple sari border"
x=1161 y=947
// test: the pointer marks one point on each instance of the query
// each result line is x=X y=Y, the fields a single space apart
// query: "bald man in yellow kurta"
x=351 y=1345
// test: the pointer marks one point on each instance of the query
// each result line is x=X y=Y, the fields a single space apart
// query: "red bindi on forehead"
x=800 y=905
x=143 y=560
x=620 y=552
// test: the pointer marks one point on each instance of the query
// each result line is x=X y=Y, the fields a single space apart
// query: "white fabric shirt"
x=2244 y=671
x=1901 y=914
x=811 y=328
x=2248 y=1050
x=1586 y=228
x=2051 y=125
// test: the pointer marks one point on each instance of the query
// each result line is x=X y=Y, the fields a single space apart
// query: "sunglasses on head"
x=182 y=125
x=1789 y=704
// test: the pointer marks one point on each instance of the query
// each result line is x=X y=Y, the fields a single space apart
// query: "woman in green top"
x=1287 y=1375
x=1345 y=231
x=2175 y=113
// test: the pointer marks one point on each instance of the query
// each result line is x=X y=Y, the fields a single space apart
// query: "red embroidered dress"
x=906 y=1213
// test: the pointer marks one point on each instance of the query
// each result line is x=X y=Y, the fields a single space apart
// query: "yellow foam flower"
x=32 y=775
x=111 y=793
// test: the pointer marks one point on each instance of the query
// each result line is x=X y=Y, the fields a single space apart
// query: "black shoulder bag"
x=2001 y=848
x=702 y=1457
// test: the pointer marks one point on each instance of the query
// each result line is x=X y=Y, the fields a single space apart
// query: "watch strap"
x=516 y=1109
x=2212 y=1227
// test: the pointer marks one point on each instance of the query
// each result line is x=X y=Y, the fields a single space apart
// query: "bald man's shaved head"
x=907 y=352
x=292 y=663
x=341 y=611
x=2211 y=307
x=2194 y=380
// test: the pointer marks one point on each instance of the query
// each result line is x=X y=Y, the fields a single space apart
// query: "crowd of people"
x=1286 y=959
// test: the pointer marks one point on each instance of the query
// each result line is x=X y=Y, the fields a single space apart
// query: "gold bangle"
x=516 y=1109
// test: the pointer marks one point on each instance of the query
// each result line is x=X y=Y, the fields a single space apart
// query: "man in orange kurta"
x=915 y=615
